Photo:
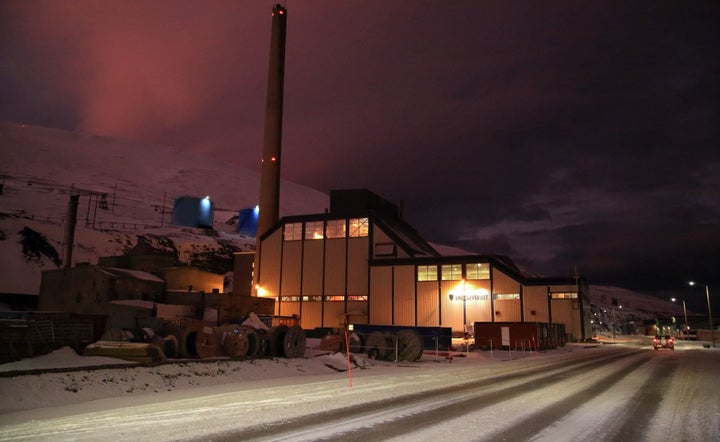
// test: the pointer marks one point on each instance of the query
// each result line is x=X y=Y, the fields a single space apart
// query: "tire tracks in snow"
x=399 y=416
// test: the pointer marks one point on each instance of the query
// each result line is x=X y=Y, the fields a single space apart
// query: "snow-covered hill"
x=628 y=310
x=41 y=167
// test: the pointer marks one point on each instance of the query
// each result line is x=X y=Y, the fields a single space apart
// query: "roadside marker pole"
x=347 y=350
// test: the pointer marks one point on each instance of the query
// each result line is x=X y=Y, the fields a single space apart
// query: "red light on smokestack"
x=280 y=10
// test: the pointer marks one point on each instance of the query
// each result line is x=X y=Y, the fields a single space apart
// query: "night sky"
x=564 y=134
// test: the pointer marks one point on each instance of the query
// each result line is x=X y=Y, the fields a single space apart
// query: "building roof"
x=135 y=274
x=362 y=203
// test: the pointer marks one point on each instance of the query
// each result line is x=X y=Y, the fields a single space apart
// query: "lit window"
x=427 y=273
x=358 y=227
x=292 y=232
x=335 y=228
x=564 y=295
x=357 y=298
x=477 y=271
x=451 y=272
x=314 y=230
x=506 y=296
x=335 y=298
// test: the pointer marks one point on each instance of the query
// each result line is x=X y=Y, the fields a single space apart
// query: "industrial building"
x=361 y=263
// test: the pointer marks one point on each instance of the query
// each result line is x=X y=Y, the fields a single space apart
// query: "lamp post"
x=684 y=313
x=707 y=294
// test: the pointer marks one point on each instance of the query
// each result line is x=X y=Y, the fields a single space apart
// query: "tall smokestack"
x=70 y=229
x=270 y=168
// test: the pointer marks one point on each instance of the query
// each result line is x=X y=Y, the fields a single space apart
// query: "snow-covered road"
x=620 y=392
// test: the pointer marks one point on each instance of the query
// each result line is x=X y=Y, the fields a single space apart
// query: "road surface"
x=608 y=392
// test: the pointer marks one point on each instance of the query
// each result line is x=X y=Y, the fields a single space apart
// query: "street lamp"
x=684 y=313
x=707 y=294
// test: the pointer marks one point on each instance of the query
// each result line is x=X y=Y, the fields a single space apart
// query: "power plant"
x=358 y=266
x=361 y=263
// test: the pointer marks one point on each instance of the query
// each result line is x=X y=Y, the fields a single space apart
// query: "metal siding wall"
x=567 y=311
x=509 y=310
x=312 y=268
x=335 y=267
x=427 y=303
x=536 y=298
x=503 y=283
x=289 y=309
x=380 y=295
x=564 y=313
x=479 y=310
x=568 y=288
x=357 y=266
x=291 y=262
x=360 y=308
x=269 y=260
x=311 y=314
x=333 y=315
x=452 y=311
x=405 y=295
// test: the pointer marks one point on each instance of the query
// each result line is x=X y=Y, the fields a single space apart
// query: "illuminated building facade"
x=361 y=263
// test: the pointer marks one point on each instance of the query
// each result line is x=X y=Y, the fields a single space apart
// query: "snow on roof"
x=136 y=274
x=136 y=303
x=449 y=250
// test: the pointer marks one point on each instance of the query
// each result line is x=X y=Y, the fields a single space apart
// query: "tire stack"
x=238 y=341
x=382 y=345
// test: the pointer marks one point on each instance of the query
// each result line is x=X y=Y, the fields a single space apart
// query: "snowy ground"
x=35 y=391
x=179 y=401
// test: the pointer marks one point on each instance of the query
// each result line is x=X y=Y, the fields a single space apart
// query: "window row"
x=558 y=295
x=320 y=298
x=506 y=296
x=454 y=272
x=496 y=296
x=334 y=228
x=341 y=298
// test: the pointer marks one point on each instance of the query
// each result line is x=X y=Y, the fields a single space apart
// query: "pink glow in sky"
x=563 y=134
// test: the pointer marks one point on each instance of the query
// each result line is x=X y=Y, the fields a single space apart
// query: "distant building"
x=132 y=298
x=193 y=212
x=361 y=263
x=248 y=221
x=87 y=289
